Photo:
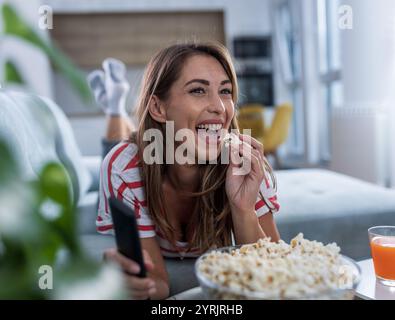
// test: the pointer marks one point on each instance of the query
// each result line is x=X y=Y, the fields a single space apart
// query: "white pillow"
x=68 y=149
x=29 y=131
x=40 y=132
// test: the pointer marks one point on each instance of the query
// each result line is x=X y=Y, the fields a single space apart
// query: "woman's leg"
x=110 y=89
x=118 y=129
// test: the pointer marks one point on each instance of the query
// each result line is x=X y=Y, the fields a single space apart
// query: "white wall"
x=368 y=53
x=391 y=158
x=368 y=69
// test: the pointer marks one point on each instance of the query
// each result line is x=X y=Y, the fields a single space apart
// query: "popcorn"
x=231 y=138
x=279 y=270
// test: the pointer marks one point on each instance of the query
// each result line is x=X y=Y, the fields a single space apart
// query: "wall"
x=368 y=52
x=241 y=16
x=368 y=71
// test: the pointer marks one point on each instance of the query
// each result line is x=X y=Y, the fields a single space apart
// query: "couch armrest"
x=87 y=213
x=93 y=163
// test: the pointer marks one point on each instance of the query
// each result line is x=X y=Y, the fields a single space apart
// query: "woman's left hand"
x=244 y=180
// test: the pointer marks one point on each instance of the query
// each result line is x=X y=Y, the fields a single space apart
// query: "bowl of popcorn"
x=265 y=270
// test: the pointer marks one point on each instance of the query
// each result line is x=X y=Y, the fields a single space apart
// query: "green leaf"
x=56 y=194
x=16 y=278
x=12 y=75
x=14 y=25
x=40 y=241
x=85 y=279
x=18 y=284
x=55 y=184
x=8 y=167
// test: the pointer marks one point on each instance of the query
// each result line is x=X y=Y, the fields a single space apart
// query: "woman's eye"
x=197 y=91
x=226 y=91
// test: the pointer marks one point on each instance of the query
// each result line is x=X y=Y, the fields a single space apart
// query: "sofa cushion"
x=68 y=150
x=330 y=207
x=38 y=132
x=317 y=193
x=29 y=135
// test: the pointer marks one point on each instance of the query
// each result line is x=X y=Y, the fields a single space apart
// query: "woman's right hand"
x=139 y=288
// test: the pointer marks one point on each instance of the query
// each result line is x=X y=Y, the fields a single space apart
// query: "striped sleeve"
x=267 y=203
x=120 y=177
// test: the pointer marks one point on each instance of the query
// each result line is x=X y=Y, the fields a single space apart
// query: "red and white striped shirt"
x=120 y=176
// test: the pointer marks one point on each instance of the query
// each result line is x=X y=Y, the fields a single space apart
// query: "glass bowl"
x=213 y=291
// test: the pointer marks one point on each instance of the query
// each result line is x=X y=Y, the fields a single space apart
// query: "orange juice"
x=383 y=254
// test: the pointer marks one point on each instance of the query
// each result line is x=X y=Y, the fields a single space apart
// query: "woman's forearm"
x=269 y=226
x=246 y=227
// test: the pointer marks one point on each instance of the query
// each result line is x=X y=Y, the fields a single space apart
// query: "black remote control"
x=126 y=233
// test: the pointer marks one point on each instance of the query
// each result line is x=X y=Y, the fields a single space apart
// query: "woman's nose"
x=216 y=104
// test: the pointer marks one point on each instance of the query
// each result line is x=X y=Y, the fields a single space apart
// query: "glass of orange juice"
x=382 y=246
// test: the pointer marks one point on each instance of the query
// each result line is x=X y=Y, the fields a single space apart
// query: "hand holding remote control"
x=134 y=261
x=139 y=288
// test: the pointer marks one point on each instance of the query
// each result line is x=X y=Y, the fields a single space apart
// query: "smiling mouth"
x=210 y=133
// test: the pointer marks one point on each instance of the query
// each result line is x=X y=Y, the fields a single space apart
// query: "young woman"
x=185 y=209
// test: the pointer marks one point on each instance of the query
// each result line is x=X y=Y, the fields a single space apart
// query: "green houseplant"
x=14 y=25
x=38 y=229
x=40 y=253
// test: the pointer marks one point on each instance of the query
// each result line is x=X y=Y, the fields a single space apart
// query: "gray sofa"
x=331 y=207
x=325 y=206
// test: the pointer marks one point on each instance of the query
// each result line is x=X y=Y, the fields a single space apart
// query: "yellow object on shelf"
x=277 y=134
x=252 y=117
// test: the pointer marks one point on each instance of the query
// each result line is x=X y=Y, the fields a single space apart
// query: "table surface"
x=368 y=289
x=371 y=289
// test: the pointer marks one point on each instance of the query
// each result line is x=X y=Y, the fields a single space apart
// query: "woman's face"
x=201 y=100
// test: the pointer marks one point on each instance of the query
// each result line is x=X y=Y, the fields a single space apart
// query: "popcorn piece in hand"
x=231 y=138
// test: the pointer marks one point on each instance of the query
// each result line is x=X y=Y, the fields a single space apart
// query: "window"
x=288 y=43
x=329 y=57
x=309 y=50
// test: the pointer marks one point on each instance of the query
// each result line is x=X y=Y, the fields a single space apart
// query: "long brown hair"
x=211 y=220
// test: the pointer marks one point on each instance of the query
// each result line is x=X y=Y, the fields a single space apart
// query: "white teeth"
x=212 y=127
